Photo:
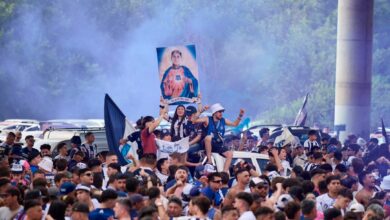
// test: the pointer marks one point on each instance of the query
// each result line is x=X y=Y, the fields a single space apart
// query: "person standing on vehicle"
x=149 y=124
x=136 y=136
x=264 y=135
x=216 y=131
x=311 y=142
x=75 y=142
x=26 y=151
x=89 y=148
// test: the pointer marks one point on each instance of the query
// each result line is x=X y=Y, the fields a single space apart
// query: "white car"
x=259 y=161
x=17 y=127
x=55 y=136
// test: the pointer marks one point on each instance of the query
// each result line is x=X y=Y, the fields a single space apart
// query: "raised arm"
x=164 y=105
x=237 y=121
x=204 y=120
x=158 y=120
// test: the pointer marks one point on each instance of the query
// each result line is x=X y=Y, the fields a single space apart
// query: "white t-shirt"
x=248 y=215
x=349 y=161
x=6 y=214
x=300 y=160
x=95 y=203
x=324 y=202
x=286 y=168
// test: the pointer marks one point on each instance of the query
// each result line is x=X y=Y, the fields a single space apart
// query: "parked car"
x=63 y=135
x=259 y=161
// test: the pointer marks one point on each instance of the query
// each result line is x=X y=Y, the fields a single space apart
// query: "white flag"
x=180 y=146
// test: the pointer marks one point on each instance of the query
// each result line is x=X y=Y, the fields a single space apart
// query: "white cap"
x=361 y=142
x=81 y=165
x=208 y=168
x=385 y=185
x=216 y=108
x=16 y=168
x=357 y=207
x=46 y=164
x=257 y=180
x=83 y=187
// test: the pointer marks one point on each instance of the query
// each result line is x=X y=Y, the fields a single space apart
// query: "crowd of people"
x=322 y=178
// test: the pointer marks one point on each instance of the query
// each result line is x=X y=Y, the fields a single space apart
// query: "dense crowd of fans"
x=320 y=179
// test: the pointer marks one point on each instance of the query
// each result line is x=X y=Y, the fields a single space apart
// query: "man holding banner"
x=216 y=131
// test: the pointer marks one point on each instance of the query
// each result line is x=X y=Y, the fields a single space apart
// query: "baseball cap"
x=317 y=171
x=190 y=110
x=255 y=181
x=195 y=191
x=16 y=151
x=385 y=185
x=331 y=149
x=204 y=170
x=80 y=207
x=136 y=198
x=357 y=207
x=67 y=188
x=16 y=168
x=83 y=187
x=81 y=165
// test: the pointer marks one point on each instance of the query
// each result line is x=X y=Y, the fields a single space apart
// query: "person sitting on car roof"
x=216 y=131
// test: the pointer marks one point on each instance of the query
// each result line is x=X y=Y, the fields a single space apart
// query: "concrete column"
x=353 y=66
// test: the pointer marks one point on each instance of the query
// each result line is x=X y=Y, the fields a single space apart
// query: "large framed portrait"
x=178 y=71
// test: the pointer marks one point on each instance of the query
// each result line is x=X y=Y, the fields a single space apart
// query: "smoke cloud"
x=61 y=57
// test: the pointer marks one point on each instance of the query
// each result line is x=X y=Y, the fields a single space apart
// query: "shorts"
x=218 y=147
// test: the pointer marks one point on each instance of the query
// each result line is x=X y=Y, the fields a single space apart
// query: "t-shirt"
x=248 y=215
x=192 y=130
x=163 y=178
x=215 y=197
x=100 y=213
x=136 y=136
x=310 y=144
x=300 y=160
x=6 y=213
x=148 y=142
x=286 y=168
x=26 y=152
x=89 y=151
x=4 y=150
x=324 y=202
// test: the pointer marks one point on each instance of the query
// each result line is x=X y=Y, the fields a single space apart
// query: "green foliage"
x=271 y=53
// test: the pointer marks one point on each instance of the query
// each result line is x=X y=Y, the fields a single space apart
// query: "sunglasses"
x=88 y=174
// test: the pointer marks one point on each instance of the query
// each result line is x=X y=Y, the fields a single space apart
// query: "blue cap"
x=67 y=188
x=17 y=151
x=195 y=191
x=190 y=110
x=331 y=149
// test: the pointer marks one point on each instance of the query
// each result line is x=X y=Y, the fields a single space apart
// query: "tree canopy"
x=58 y=58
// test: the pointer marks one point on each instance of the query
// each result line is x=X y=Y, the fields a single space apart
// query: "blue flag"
x=115 y=123
x=302 y=114
x=384 y=133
